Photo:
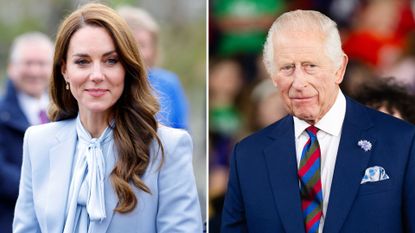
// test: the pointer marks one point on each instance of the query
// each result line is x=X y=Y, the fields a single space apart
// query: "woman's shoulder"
x=172 y=138
x=165 y=131
x=49 y=130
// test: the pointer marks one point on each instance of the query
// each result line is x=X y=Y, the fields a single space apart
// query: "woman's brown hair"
x=134 y=112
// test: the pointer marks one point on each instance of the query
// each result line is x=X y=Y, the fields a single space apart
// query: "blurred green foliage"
x=184 y=52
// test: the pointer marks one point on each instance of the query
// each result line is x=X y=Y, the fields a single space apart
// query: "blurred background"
x=378 y=36
x=182 y=51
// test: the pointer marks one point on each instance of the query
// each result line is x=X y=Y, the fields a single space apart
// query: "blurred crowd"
x=378 y=37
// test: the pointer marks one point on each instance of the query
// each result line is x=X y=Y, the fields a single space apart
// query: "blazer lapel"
x=350 y=165
x=281 y=162
x=61 y=163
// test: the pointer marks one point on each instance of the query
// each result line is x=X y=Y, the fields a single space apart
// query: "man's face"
x=31 y=69
x=306 y=77
x=147 y=46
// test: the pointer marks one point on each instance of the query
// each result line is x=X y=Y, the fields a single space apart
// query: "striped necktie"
x=310 y=182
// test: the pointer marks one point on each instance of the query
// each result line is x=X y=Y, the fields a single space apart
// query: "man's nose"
x=37 y=67
x=299 y=78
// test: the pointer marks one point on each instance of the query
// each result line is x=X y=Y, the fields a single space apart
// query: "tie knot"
x=312 y=131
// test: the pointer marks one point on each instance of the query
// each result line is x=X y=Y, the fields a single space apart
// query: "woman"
x=105 y=165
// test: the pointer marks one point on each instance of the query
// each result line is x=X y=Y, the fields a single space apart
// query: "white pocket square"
x=374 y=174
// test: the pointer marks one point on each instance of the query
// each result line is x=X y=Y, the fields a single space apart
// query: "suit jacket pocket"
x=371 y=188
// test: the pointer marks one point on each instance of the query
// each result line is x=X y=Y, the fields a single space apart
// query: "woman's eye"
x=112 y=61
x=81 y=62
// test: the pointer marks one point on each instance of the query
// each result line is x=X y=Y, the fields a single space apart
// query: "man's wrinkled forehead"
x=298 y=40
x=288 y=34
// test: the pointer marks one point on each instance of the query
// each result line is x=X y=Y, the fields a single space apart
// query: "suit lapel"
x=17 y=119
x=350 y=166
x=61 y=163
x=11 y=112
x=281 y=164
x=13 y=116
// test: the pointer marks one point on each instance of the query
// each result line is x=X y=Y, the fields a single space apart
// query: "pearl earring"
x=67 y=86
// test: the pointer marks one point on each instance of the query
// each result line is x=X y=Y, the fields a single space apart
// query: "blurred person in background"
x=24 y=104
x=173 y=102
x=266 y=106
x=225 y=126
x=378 y=32
x=332 y=164
x=379 y=43
x=388 y=96
x=225 y=119
x=105 y=165
x=404 y=68
x=357 y=74
x=225 y=86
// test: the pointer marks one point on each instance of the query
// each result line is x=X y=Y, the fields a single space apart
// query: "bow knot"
x=94 y=143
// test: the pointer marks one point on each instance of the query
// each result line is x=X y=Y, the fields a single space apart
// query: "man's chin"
x=36 y=94
x=307 y=117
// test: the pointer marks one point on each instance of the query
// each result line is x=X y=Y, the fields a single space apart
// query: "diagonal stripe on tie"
x=310 y=182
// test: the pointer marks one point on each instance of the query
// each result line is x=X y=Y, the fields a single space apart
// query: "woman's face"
x=93 y=70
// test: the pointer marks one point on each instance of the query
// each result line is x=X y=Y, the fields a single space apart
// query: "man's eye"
x=287 y=68
x=310 y=68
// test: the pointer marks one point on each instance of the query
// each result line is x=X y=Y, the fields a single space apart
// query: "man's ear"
x=342 y=69
x=274 y=80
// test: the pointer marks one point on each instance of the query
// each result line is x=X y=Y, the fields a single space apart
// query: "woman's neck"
x=94 y=123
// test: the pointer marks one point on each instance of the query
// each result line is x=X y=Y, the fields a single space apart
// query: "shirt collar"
x=32 y=106
x=32 y=103
x=331 y=122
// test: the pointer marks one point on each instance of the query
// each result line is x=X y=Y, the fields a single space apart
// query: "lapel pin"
x=365 y=145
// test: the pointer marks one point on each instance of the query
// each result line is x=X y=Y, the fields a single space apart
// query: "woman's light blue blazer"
x=49 y=149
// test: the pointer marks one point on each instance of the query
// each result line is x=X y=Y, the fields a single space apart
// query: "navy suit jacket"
x=263 y=191
x=13 y=124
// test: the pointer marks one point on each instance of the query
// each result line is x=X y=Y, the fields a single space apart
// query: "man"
x=173 y=102
x=24 y=104
x=330 y=166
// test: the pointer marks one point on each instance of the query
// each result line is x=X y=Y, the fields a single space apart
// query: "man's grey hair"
x=138 y=18
x=304 y=21
x=29 y=37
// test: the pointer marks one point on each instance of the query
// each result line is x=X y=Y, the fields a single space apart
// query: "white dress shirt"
x=328 y=136
x=31 y=106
